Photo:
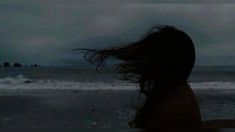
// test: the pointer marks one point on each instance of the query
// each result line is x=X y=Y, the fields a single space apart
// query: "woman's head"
x=170 y=54
x=164 y=57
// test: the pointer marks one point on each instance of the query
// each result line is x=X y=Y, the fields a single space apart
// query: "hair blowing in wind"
x=158 y=62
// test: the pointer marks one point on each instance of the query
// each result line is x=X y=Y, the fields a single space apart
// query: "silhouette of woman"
x=160 y=63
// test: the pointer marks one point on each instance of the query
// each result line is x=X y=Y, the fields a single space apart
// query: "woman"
x=160 y=63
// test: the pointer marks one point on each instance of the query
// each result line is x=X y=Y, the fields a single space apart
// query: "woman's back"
x=179 y=109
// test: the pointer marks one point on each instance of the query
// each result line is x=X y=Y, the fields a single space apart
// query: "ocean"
x=199 y=74
x=203 y=77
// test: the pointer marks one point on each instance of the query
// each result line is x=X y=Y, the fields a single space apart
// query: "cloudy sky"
x=45 y=31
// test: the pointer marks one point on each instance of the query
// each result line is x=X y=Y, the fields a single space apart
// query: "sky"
x=46 y=31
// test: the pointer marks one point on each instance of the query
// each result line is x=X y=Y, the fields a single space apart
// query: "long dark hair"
x=158 y=62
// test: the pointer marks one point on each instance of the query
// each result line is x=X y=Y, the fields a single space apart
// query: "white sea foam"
x=20 y=82
x=11 y=81
x=213 y=85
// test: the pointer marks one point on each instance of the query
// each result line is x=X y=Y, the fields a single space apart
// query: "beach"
x=52 y=97
x=65 y=108
x=92 y=108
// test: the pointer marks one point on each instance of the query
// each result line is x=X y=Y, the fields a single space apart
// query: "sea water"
x=203 y=77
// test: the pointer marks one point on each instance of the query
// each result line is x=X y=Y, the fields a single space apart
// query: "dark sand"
x=86 y=109
x=65 y=108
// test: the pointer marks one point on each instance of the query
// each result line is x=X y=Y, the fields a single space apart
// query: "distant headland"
x=16 y=64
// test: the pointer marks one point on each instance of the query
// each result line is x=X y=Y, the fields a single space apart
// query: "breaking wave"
x=21 y=82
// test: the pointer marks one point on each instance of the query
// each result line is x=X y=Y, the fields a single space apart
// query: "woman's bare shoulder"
x=177 y=111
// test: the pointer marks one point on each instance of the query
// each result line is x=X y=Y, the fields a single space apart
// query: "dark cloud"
x=46 y=31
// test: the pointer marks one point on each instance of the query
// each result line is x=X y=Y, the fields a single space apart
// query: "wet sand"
x=65 y=108
x=92 y=108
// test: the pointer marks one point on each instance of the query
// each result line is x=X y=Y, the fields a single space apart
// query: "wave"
x=21 y=82
x=213 y=85
x=17 y=80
